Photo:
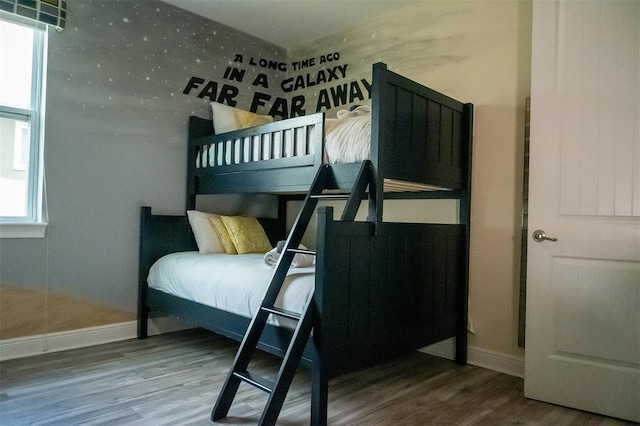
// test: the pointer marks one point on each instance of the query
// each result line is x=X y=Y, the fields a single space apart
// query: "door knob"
x=539 y=236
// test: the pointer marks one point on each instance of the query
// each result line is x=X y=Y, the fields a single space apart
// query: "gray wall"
x=116 y=126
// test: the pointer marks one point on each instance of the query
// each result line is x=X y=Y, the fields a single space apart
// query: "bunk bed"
x=381 y=288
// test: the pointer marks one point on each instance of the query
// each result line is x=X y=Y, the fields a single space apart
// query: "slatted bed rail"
x=271 y=142
x=243 y=160
x=418 y=134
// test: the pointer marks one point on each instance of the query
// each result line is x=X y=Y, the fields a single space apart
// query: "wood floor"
x=174 y=380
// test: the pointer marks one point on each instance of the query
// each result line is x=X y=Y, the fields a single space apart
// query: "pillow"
x=247 y=234
x=228 y=119
x=223 y=235
x=206 y=237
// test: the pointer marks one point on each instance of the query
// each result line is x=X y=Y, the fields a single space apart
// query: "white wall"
x=476 y=52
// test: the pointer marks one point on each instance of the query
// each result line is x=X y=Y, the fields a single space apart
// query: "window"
x=22 y=66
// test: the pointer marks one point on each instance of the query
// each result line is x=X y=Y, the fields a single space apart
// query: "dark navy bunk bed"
x=381 y=288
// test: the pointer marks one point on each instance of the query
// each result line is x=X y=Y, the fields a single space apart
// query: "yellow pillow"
x=223 y=235
x=247 y=234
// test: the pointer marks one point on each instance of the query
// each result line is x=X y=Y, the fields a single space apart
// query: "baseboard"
x=53 y=342
x=21 y=347
x=479 y=357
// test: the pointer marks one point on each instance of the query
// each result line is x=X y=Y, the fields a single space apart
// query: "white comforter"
x=348 y=137
x=234 y=283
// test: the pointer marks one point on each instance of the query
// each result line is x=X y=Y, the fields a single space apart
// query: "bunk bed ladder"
x=238 y=373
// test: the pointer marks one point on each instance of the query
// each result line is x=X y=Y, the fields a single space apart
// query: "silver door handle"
x=539 y=236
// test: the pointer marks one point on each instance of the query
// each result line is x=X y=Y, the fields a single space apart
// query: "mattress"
x=233 y=283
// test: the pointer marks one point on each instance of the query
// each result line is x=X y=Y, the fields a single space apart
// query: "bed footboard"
x=380 y=294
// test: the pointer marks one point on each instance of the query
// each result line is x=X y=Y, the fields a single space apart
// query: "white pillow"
x=206 y=236
x=228 y=119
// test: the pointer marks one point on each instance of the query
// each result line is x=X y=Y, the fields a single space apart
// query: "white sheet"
x=234 y=283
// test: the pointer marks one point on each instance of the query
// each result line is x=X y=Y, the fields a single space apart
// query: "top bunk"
x=420 y=140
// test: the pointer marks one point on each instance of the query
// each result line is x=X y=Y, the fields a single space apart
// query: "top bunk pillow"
x=206 y=237
x=228 y=119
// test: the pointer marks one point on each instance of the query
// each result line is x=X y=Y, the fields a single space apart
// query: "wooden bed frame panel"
x=421 y=130
x=381 y=294
x=364 y=312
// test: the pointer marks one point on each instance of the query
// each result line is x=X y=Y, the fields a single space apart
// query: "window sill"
x=23 y=230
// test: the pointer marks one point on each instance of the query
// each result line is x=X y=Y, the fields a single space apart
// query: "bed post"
x=319 y=391
x=143 y=311
x=319 y=372
x=465 y=219
x=198 y=127
x=376 y=188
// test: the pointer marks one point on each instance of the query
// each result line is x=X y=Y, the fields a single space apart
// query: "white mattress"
x=233 y=283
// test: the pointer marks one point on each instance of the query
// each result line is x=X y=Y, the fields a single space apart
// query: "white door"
x=583 y=290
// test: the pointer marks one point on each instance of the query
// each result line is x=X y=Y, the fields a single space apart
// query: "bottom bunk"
x=378 y=292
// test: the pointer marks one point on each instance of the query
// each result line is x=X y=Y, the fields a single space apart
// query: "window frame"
x=33 y=223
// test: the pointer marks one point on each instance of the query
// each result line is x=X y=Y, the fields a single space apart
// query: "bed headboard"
x=418 y=134
x=410 y=114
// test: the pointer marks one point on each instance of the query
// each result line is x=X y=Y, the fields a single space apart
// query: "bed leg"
x=319 y=395
x=143 y=320
x=461 y=333
x=461 y=348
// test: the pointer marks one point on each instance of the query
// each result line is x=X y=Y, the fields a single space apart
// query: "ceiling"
x=289 y=23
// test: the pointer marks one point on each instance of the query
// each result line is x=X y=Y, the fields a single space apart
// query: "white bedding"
x=233 y=283
x=348 y=137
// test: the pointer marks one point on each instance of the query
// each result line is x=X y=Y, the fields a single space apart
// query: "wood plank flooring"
x=174 y=380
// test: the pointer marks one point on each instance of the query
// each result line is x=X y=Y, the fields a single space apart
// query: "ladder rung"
x=311 y=252
x=331 y=196
x=255 y=380
x=282 y=312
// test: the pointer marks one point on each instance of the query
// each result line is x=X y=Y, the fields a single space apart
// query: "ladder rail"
x=278 y=390
x=288 y=367
x=358 y=193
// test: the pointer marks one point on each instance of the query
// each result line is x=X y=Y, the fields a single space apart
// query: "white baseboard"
x=53 y=342
x=21 y=347
x=479 y=357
